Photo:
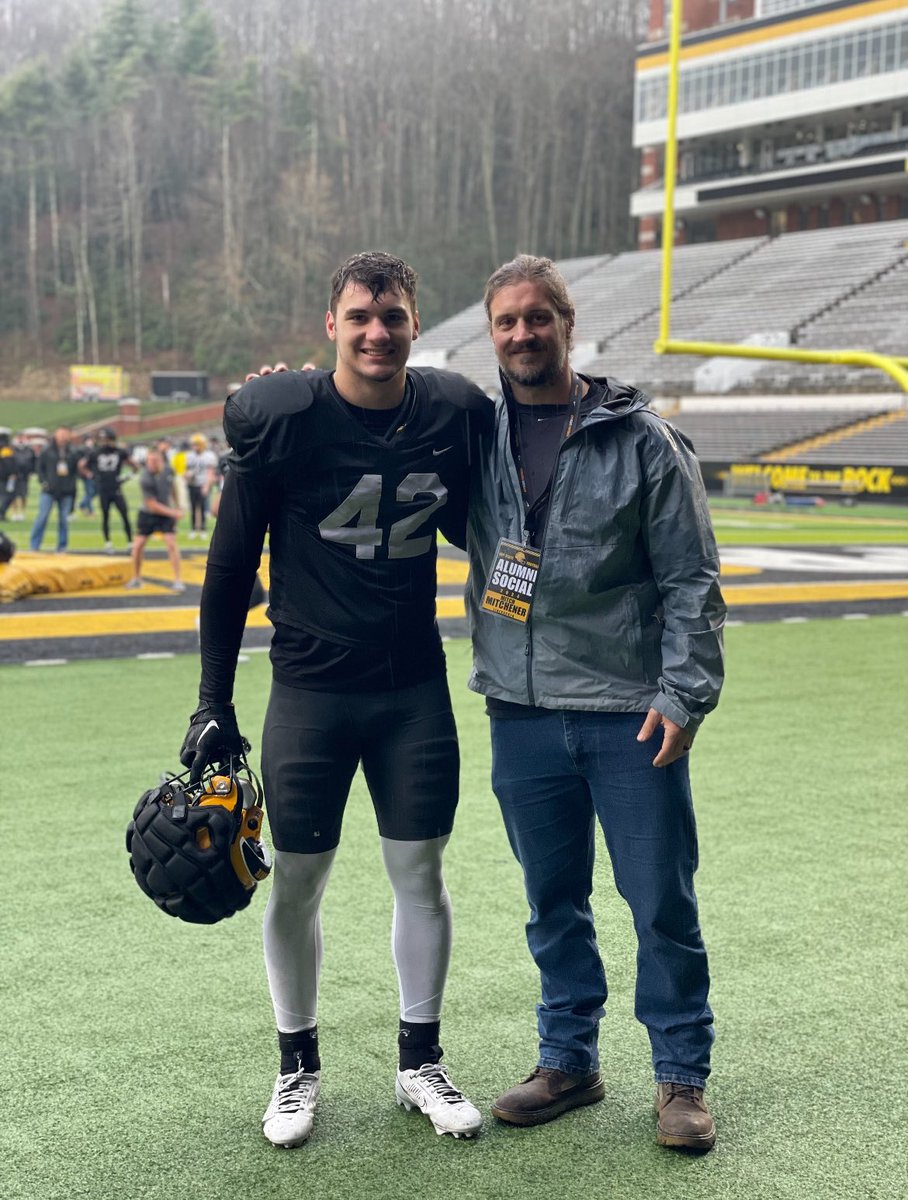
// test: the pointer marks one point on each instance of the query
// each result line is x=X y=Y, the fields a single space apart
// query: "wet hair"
x=377 y=271
x=529 y=268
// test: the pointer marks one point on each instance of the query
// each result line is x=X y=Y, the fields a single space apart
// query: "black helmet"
x=197 y=849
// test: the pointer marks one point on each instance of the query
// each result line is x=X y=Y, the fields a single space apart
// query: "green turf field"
x=49 y=414
x=84 y=530
x=740 y=522
x=140 y=1051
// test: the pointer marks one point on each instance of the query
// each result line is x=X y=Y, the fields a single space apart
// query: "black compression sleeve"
x=233 y=560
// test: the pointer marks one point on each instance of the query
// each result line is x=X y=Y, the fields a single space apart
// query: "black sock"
x=299 y=1051
x=418 y=1044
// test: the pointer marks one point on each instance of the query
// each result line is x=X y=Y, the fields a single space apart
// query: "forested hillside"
x=178 y=179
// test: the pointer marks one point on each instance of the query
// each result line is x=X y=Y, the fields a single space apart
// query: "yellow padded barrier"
x=32 y=574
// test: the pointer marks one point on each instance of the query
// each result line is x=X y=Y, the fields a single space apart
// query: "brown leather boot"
x=684 y=1121
x=547 y=1094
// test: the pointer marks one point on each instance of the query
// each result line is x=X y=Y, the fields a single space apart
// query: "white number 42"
x=362 y=505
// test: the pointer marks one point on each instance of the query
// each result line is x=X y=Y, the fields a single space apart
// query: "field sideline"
x=736 y=522
x=143 y=1051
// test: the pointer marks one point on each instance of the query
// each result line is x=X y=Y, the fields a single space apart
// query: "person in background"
x=159 y=514
x=26 y=460
x=89 y=484
x=175 y=458
x=102 y=465
x=7 y=473
x=58 y=472
x=200 y=474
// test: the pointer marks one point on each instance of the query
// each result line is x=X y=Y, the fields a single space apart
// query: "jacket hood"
x=620 y=399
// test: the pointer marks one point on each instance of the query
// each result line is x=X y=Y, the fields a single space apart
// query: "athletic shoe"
x=684 y=1122
x=546 y=1094
x=178 y=586
x=288 y=1119
x=133 y=583
x=192 y=535
x=431 y=1091
x=108 y=547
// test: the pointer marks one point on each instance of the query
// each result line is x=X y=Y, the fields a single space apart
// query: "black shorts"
x=313 y=742
x=150 y=523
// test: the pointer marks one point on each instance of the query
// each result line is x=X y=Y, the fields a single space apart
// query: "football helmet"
x=196 y=848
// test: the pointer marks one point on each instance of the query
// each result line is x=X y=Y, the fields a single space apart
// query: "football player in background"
x=103 y=463
x=200 y=474
x=351 y=472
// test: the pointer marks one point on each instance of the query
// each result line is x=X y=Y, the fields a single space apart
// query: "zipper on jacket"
x=528 y=649
x=522 y=507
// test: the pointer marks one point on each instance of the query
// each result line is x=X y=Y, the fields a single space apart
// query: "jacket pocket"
x=649 y=629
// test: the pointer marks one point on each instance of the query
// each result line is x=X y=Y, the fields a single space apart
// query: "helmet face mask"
x=197 y=850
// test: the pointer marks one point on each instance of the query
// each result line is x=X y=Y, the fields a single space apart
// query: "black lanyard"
x=569 y=424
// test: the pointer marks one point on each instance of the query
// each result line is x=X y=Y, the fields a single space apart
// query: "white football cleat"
x=431 y=1091
x=288 y=1119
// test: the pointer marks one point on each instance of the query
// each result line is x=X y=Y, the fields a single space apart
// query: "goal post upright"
x=894 y=366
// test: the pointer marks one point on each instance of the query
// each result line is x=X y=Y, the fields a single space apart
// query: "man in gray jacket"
x=596 y=619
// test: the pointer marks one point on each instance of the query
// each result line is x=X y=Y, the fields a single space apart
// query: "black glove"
x=213 y=737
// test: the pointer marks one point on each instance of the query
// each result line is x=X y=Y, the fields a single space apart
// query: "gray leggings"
x=420 y=930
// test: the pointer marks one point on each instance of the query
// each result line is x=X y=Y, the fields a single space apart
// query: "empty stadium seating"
x=840 y=288
x=726 y=436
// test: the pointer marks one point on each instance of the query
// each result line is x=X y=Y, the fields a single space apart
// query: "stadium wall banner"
x=97 y=383
x=745 y=478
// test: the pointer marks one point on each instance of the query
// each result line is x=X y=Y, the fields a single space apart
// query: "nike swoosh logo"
x=210 y=725
x=445 y=451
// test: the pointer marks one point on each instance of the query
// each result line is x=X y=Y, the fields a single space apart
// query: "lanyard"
x=569 y=424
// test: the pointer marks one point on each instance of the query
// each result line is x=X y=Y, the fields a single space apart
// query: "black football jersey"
x=352 y=516
x=105 y=463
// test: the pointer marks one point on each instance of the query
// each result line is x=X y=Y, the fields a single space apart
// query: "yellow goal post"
x=894 y=366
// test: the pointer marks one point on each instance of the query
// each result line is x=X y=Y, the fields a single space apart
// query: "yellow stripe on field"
x=768 y=593
x=23 y=626
x=101 y=624
x=808 y=593
x=452 y=570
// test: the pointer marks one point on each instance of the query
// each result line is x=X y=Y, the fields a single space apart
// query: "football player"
x=103 y=464
x=350 y=472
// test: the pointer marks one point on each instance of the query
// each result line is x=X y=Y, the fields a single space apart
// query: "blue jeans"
x=89 y=492
x=554 y=775
x=64 y=507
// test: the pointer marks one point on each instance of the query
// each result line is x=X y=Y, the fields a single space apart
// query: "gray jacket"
x=627 y=612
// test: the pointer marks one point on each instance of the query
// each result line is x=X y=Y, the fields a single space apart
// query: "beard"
x=538 y=375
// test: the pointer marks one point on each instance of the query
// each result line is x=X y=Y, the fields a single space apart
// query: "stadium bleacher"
x=727 y=436
x=843 y=288
x=838 y=288
x=779 y=288
x=886 y=443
